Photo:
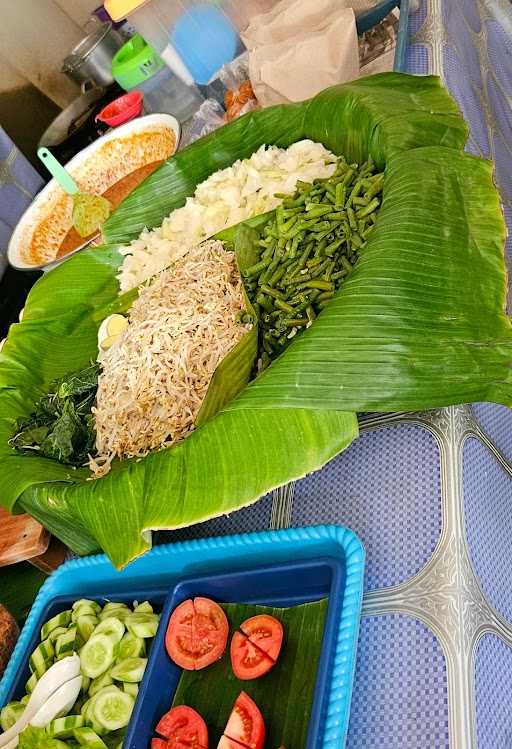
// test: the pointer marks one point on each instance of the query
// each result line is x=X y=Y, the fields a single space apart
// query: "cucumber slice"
x=113 y=710
x=96 y=655
x=131 y=647
x=97 y=728
x=85 y=707
x=142 y=625
x=132 y=689
x=85 y=625
x=131 y=670
x=60 y=620
x=102 y=681
x=111 y=627
x=62 y=728
x=42 y=658
x=31 y=683
x=86 y=683
x=88 y=709
x=85 y=603
x=88 y=738
x=10 y=714
x=66 y=643
x=120 y=611
x=143 y=608
x=56 y=633
x=83 y=611
x=111 y=605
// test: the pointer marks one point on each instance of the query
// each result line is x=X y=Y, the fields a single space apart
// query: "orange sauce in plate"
x=116 y=193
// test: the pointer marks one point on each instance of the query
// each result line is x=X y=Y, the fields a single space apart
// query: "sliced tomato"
x=247 y=660
x=266 y=632
x=246 y=725
x=158 y=744
x=226 y=743
x=183 y=727
x=197 y=633
x=178 y=638
x=210 y=632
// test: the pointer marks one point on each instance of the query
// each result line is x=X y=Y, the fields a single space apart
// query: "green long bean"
x=308 y=250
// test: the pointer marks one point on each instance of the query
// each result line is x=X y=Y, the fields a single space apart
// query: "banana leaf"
x=284 y=695
x=420 y=323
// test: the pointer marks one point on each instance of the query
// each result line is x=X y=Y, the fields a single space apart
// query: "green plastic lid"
x=135 y=62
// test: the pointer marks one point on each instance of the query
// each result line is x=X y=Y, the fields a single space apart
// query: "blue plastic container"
x=275 y=585
x=165 y=567
x=61 y=603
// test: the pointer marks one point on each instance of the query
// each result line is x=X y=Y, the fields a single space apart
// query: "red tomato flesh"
x=245 y=724
x=158 y=744
x=182 y=727
x=247 y=660
x=197 y=634
x=266 y=633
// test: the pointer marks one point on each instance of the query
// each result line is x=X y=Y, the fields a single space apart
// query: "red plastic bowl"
x=121 y=110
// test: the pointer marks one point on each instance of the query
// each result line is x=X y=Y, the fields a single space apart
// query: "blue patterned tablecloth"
x=430 y=494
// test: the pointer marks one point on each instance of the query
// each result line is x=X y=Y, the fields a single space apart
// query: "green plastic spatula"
x=89 y=211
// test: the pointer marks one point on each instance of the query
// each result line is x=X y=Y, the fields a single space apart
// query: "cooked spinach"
x=62 y=425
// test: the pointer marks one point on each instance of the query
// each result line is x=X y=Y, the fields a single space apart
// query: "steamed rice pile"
x=227 y=197
x=155 y=378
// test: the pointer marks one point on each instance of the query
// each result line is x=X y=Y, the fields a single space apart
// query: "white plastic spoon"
x=57 y=675
x=59 y=704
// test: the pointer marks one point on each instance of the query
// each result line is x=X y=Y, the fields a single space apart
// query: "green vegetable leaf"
x=284 y=695
x=62 y=427
x=77 y=383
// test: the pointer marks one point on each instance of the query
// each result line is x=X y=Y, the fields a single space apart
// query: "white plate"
x=134 y=126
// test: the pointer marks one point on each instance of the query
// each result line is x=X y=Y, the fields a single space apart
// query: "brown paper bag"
x=300 y=48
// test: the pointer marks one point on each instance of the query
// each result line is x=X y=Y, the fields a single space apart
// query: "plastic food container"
x=195 y=39
x=137 y=66
x=312 y=562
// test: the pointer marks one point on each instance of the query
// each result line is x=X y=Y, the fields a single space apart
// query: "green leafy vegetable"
x=284 y=695
x=62 y=426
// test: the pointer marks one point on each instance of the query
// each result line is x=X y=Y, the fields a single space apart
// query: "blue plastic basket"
x=167 y=566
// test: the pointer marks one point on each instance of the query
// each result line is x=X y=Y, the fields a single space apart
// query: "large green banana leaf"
x=420 y=323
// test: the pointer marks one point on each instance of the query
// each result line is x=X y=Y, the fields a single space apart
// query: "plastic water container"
x=136 y=66
x=195 y=39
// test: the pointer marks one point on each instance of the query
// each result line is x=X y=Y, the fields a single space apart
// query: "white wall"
x=35 y=36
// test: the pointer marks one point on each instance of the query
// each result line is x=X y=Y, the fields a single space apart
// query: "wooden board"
x=21 y=538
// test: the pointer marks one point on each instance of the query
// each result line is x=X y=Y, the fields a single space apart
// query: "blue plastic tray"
x=166 y=566
x=275 y=585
